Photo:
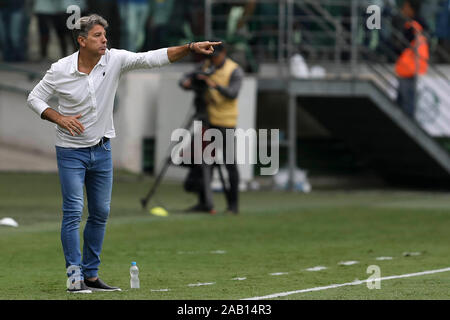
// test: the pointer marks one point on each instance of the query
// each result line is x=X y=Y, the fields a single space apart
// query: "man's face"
x=96 y=41
x=217 y=60
x=407 y=10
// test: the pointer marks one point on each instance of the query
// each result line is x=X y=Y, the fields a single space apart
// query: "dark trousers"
x=199 y=178
x=233 y=175
x=58 y=21
x=13 y=34
x=406 y=96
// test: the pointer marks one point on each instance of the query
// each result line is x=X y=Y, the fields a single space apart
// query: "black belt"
x=102 y=141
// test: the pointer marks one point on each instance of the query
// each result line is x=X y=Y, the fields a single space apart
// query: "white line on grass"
x=354 y=283
x=383 y=258
x=347 y=263
x=159 y=290
x=218 y=252
x=187 y=252
x=200 y=284
x=278 y=273
x=317 y=268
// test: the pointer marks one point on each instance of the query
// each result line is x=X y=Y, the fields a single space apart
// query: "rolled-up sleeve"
x=42 y=92
x=144 y=60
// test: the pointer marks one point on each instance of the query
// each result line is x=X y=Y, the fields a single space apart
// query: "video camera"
x=199 y=86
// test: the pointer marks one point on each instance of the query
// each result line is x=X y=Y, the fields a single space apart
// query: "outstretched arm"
x=162 y=57
x=177 y=53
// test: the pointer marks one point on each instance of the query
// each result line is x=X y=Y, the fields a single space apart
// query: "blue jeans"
x=91 y=168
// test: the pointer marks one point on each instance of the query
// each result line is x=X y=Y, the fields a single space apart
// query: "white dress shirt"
x=91 y=95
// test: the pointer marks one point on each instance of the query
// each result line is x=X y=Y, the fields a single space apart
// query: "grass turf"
x=275 y=232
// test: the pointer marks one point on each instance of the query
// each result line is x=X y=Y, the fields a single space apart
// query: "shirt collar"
x=74 y=65
x=102 y=61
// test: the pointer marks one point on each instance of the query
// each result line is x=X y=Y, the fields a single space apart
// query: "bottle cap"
x=133 y=263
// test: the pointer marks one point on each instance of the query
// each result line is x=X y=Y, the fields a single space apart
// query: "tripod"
x=206 y=172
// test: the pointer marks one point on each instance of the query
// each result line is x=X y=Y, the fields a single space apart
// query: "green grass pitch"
x=274 y=233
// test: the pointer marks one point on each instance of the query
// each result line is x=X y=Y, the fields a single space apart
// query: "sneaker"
x=99 y=285
x=82 y=289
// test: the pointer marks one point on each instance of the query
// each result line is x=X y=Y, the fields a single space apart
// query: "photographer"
x=216 y=83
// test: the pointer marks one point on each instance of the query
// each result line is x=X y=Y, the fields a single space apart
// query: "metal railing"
x=318 y=29
x=330 y=33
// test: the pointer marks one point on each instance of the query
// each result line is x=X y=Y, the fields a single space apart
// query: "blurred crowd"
x=135 y=25
x=251 y=27
x=433 y=16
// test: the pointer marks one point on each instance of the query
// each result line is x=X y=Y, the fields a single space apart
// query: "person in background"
x=221 y=99
x=13 y=30
x=159 y=22
x=109 y=10
x=443 y=29
x=51 y=14
x=194 y=13
x=133 y=17
x=413 y=57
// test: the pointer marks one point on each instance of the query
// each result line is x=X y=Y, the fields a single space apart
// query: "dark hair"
x=415 y=5
x=218 y=48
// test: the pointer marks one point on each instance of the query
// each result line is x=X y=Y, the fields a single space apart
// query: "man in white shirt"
x=85 y=84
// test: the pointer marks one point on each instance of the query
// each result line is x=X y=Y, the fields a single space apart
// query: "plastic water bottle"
x=134 y=274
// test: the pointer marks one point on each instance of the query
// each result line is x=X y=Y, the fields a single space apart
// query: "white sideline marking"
x=354 y=283
x=218 y=252
x=200 y=284
x=278 y=273
x=318 y=268
x=239 y=278
x=198 y=252
x=384 y=258
x=187 y=252
x=159 y=290
x=347 y=263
